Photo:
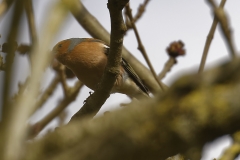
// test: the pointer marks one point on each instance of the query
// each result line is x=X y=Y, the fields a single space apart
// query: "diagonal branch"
x=225 y=27
x=70 y=97
x=141 y=10
x=141 y=47
x=209 y=40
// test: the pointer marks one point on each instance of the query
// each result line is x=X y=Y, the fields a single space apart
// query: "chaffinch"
x=87 y=58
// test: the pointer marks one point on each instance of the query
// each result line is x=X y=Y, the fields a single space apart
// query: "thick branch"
x=193 y=112
x=97 y=99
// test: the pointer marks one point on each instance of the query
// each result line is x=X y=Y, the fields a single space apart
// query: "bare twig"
x=47 y=93
x=225 y=28
x=118 y=28
x=174 y=50
x=31 y=20
x=209 y=40
x=167 y=67
x=69 y=98
x=141 y=47
x=63 y=79
x=141 y=10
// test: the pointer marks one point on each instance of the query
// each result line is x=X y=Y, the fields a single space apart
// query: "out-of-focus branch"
x=209 y=40
x=23 y=106
x=225 y=28
x=201 y=105
x=6 y=140
x=234 y=150
x=10 y=47
x=61 y=72
x=47 y=93
x=69 y=98
x=140 y=45
x=2 y=65
x=31 y=20
x=4 y=6
x=118 y=28
x=167 y=67
x=96 y=30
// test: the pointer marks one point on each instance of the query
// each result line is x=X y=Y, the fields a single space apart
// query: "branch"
x=97 y=99
x=21 y=109
x=31 y=20
x=61 y=72
x=47 y=93
x=141 y=47
x=68 y=99
x=4 y=6
x=225 y=28
x=209 y=40
x=194 y=111
x=141 y=10
x=174 y=50
x=96 y=30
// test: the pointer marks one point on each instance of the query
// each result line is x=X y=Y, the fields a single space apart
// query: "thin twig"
x=174 y=50
x=225 y=27
x=209 y=40
x=61 y=71
x=47 y=93
x=141 y=47
x=141 y=10
x=39 y=126
x=31 y=20
x=167 y=67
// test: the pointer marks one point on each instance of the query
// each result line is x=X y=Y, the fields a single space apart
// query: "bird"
x=87 y=59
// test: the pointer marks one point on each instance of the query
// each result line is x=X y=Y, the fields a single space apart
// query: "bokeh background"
x=162 y=23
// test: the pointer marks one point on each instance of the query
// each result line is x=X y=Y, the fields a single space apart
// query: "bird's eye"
x=60 y=45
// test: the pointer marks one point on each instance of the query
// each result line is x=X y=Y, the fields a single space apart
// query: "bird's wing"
x=132 y=74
